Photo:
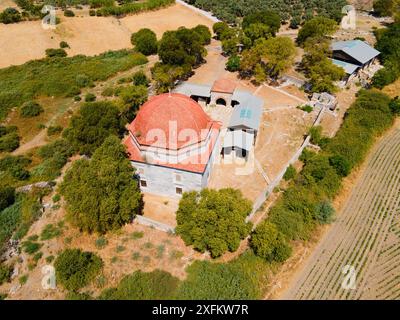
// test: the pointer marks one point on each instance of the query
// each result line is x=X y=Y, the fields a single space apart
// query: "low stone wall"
x=155 y=224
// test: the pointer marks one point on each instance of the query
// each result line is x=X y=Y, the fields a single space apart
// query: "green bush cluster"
x=31 y=109
x=19 y=84
x=56 y=53
x=75 y=269
x=155 y=285
x=145 y=41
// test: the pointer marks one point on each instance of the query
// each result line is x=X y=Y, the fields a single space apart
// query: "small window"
x=179 y=190
x=143 y=183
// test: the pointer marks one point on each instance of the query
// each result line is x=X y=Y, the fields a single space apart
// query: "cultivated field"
x=365 y=236
x=88 y=35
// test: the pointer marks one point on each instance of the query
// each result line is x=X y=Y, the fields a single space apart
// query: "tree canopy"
x=92 y=125
x=145 y=41
x=101 y=193
x=213 y=220
x=75 y=269
x=317 y=27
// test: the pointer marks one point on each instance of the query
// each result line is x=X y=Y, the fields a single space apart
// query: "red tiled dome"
x=160 y=111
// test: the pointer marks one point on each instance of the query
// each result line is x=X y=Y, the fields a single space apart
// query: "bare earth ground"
x=365 y=236
x=88 y=35
x=4 y=4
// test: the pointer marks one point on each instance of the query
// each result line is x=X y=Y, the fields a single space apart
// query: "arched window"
x=221 y=101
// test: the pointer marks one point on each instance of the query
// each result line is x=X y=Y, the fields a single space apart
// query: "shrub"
x=233 y=63
x=7 y=197
x=50 y=231
x=145 y=41
x=213 y=220
x=395 y=106
x=341 y=165
x=5 y=273
x=92 y=12
x=101 y=242
x=52 y=53
x=9 y=139
x=31 y=109
x=290 y=173
x=324 y=212
x=53 y=130
x=108 y=92
x=155 y=285
x=140 y=79
x=10 y=15
x=69 y=13
x=31 y=247
x=90 y=97
x=268 y=243
x=64 y=45
x=75 y=269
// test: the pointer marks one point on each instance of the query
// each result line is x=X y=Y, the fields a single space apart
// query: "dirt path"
x=365 y=236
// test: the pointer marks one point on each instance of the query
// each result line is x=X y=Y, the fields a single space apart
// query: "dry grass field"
x=364 y=236
x=88 y=35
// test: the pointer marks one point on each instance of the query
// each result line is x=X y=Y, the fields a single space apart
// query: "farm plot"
x=366 y=236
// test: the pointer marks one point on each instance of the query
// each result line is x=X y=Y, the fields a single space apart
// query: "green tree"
x=268 y=18
x=101 y=193
x=75 y=269
x=94 y=123
x=204 y=33
x=316 y=28
x=268 y=243
x=145 y=41
x=31 y=109
x=213 y=220
x=10 y=15
x=131 y=98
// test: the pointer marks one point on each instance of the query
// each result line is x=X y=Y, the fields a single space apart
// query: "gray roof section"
x=349 y=68
x=356 y=49
x=191 y=89
x=249 y=111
